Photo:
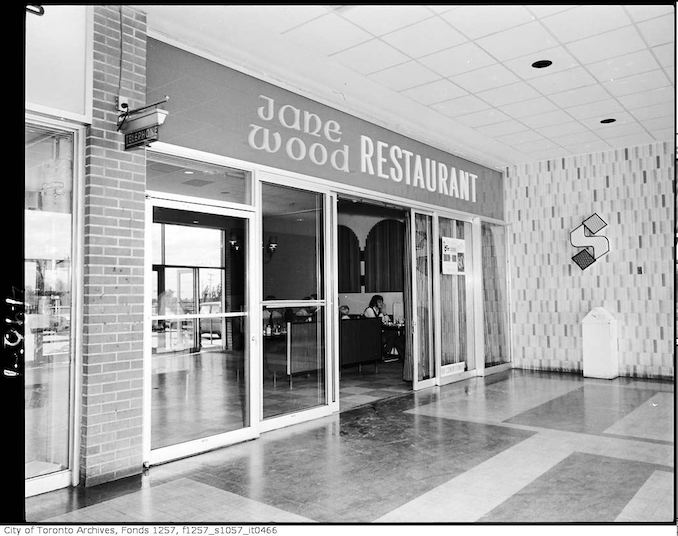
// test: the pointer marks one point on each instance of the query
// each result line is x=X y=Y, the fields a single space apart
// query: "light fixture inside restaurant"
x=609 y=120
x=541 y=64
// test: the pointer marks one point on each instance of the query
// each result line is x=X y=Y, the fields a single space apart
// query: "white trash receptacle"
x=599 y=341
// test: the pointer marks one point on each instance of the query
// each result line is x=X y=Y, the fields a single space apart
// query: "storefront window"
x=47 y=275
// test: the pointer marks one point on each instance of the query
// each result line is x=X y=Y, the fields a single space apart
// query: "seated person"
x=343 y=312
x=375 y=307
x=390 y=339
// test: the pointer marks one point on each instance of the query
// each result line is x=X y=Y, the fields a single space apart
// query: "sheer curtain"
x=408 y=365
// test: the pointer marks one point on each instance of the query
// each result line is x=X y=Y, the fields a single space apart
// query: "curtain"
x=348 y=260
x=494 y=294
x=383 y=244
x=408 y=365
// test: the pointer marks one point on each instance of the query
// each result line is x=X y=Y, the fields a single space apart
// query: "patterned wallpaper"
x=632 y=190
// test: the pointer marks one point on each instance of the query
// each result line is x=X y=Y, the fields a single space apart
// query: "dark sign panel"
x=141 y=137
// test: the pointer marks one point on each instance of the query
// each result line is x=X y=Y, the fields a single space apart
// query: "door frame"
x=163 y=454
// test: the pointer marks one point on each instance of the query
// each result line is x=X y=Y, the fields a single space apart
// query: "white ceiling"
x=458 y=77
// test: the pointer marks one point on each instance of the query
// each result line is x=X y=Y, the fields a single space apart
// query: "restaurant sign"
x=219 y=110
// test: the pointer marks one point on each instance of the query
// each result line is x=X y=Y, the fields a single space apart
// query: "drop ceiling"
x=459 y=78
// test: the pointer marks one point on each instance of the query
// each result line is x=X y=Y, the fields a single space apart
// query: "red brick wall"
x=112 y=394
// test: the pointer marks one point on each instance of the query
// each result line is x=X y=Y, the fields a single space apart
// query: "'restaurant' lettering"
x=395 y=163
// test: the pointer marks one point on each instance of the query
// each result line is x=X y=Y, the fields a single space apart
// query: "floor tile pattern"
x=514 y=446
x=581 y=488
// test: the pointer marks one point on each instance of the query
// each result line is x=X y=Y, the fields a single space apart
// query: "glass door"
x=199 y=328
x=294 y=332
x=456 y=297
x=423 y=354
x=49 y=303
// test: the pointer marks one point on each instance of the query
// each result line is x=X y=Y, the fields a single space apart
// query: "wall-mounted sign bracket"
x=141 y=126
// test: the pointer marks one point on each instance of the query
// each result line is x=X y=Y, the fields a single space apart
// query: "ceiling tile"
x=519 y=137
x=655 y=96
x=562 y=129
x=484 y=117
x=381 y=19
x=503 y=128
x=485 y=78
x=424 y=37
x=546 y=10
x=561 y=59
x=371 y=56
x=599 y=109
x=460 y=59
x=644 y=11
x=434 y=92
x=657 y=31
x=564 y=80
x=281 y=17
x=630 y=140
x=614 y=130
x=637 y=83
x=329 y=33
x=578 y=137
x=518 y=41
x=594 y=123
x=581 y=95
x=404 y=76
x=665 y=109
x=666 y=54
x=511 y=93
x=585 y=21
x=621 y=66
x=461 y=106
x=607 y=45
x=548 y=118
x=476 y=20
x=536 y=145
x=659 y=123
x=529 y=107
x=588 y=147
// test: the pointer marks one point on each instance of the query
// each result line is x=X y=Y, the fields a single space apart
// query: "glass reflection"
x=199 y=369
x=293 y=359
x=292 y=243
x=47 y=293
x=198 y=392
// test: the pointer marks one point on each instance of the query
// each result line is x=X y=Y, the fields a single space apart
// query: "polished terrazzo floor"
x=512 y=447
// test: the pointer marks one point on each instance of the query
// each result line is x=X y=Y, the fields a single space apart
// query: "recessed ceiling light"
x=609 y=120
x=188 y=172
x=541 y=64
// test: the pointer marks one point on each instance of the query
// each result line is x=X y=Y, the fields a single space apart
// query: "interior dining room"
x=371 y=242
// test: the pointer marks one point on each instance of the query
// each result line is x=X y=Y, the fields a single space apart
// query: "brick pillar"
x=112 y=383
